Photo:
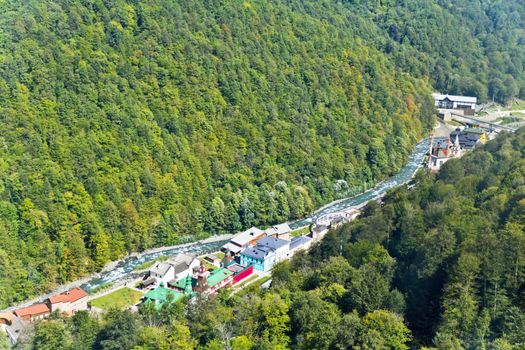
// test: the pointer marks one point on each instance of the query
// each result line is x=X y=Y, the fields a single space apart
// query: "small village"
x=249 y=256
x=461 y=129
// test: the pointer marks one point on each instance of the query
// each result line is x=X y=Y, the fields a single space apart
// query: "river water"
x=405 y=174
x=128 y=265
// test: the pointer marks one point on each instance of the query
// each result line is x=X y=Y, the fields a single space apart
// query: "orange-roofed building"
x=69 y=302
x=33 y=312
x=6 y=319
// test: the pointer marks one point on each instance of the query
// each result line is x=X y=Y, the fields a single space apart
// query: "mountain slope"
x=130 y=125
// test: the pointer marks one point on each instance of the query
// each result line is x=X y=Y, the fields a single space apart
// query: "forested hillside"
x=132 y=124
x=129 y=125
x=474 y=48
x=449 y=255
x=441 y=265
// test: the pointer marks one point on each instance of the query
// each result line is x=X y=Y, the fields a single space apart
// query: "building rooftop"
x=217 y=276
x=474 y=130
x=298 y=241
x=6 y=318
x=69 y=296
x=161 y=268
x=183 y=282
x=245 y=237
x=235 y=268
x=181 y=262
x=258 y=252
x=36 y=309
x=212 y=257
x=272 y=243
x=232 y=247
x=456 y=98
x=161 y=294
x=280 y=229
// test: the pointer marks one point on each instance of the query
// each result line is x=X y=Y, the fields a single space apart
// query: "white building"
x=299 y=243
x=243 y=240
x=174 y=269
x=280 y=247
x=281 y=231
x=184 y=265
x=455 y=102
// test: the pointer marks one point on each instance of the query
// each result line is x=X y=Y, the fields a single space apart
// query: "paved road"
x=443 y=130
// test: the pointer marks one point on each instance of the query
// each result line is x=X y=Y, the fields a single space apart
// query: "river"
x=127 y=265
x=405 y=174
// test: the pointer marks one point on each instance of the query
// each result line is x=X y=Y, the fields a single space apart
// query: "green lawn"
x=207 y=265
x=120 y=299
x=254 y=287
x=515 y=105
x=301 y=231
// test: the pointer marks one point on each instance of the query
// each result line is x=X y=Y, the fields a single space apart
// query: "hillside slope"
x=129 y=124
x=142 y=124
x=440 y=264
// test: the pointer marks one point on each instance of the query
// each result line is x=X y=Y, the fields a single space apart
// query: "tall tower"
x=188 y=289
x=202 y=278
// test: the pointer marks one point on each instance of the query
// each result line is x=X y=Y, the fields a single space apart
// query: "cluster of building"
x=262 y=249
x=185 y=276
x=253 y=249
x=443 y=149
x=67 y=304
x=462 y=139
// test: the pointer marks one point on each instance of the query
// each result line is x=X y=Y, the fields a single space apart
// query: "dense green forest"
x=440 y=265
x=132 y=124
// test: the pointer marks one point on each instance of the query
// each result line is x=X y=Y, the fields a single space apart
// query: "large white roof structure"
x=456 y=98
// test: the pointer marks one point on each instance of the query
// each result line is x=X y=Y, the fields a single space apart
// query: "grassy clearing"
x=509 y=120
x=519 y=104
x=301 y=231
x=101 y=288
x=207 y=265
x=120 y=299
x=254 y=287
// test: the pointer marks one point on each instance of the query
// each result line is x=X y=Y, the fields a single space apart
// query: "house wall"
x=243 y=274
x=57 y=307
x=282 y=253
x=222 y=284
x=258 y=264
x=37 y=317
x=79 y=305
x=168 y=276
x=194 y=264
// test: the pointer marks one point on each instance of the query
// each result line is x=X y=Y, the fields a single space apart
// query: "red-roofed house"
x=33 y=312
x=69 y=302
x=6 y=319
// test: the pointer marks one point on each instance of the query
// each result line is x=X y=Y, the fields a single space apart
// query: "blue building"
x=262 y=258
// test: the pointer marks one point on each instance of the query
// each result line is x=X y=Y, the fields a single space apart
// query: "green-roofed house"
x=206 y=281
x=184 y=285
x=219 y=278
x=162 y=294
